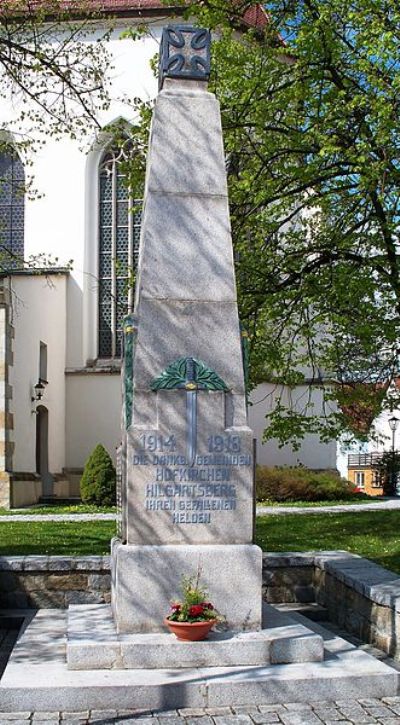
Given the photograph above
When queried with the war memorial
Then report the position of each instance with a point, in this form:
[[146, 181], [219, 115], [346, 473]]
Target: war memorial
[[185, 489]]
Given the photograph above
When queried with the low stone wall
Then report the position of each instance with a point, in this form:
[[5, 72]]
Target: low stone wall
[[288, 578], [53, 581], [360, 596]]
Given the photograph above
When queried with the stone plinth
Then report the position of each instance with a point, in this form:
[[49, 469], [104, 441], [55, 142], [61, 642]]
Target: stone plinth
[[146, 578], [37, 678], [93, 643]]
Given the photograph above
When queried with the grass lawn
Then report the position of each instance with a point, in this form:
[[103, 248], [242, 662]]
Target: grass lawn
[[59, 509], [53, 537], [373, 534]]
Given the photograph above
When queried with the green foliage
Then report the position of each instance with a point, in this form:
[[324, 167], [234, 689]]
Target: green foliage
[[98, 482], [301, 484], [58, 80], [194, 607], [311, 135], [389, 470]]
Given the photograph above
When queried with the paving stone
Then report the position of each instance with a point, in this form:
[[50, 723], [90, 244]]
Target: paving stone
[[203, 720], [369, 701], [149, 720], [15, 722], [246, 709], [390, 721], [318, 704], [265, 717], [394, 708], [218, 711], [133, 712], [142, 720], [379, 711], [328, 713], [357, 714], [346, 703], [102, 714], [15, 715], [304, 717], [79, 715], [192, 711], [232, 719], [55, 715], [167, 713], [271, 708], [297, 706], [392, 700]]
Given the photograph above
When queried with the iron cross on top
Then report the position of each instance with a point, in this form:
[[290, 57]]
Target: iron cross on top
[[184, 53]]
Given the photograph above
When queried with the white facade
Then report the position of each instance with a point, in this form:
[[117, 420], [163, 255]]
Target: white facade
[[82, 395]]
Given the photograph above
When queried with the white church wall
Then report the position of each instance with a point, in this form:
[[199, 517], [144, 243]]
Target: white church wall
[[62, 220], [94, 412], [93, 415], [312, 453], [38, 315]]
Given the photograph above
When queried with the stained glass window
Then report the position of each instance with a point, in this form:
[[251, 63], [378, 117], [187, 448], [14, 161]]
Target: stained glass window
[[12, 209], [119, 232]]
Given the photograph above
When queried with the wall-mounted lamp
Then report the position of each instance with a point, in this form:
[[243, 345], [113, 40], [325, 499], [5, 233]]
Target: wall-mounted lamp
[[39, 390]]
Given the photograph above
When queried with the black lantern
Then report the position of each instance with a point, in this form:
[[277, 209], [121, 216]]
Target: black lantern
[[39, 390]]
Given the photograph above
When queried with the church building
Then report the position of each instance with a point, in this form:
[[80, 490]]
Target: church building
[[61, 325]]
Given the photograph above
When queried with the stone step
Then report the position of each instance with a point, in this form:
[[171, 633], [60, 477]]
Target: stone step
[[311, 610], [37, 678], [93, 643]]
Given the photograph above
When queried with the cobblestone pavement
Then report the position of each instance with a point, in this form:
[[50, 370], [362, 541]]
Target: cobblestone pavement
[[389, 504], [385, 711]]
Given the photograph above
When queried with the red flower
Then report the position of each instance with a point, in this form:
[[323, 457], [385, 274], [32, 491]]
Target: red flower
[[207, 605], [176, 607], [196, 610]]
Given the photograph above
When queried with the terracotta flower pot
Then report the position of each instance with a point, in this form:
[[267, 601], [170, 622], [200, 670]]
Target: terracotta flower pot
[[190, 631]]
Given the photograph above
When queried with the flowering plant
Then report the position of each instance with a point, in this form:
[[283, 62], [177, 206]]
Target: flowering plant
[[194, 606]]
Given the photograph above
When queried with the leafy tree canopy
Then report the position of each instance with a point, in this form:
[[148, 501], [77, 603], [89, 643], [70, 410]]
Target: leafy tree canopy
[[55, 84], [310, 110], [54, 79]]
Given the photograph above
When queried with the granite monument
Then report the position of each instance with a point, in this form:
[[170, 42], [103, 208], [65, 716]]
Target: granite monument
[[186, 487]]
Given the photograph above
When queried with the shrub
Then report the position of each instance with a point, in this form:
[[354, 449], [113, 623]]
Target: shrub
[[98, 482], [301, 484]]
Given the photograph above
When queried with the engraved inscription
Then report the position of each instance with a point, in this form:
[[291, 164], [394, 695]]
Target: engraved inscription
[[191, 492]]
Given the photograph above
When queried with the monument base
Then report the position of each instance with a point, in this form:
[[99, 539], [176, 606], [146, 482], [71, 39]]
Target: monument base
[[37, 678], [145, 579], [94, 644]]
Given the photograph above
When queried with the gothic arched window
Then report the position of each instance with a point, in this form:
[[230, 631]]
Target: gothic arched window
[[119, 232], [12, 208]]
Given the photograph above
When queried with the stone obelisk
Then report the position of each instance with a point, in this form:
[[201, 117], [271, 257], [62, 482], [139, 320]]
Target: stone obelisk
[[187, 472]]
